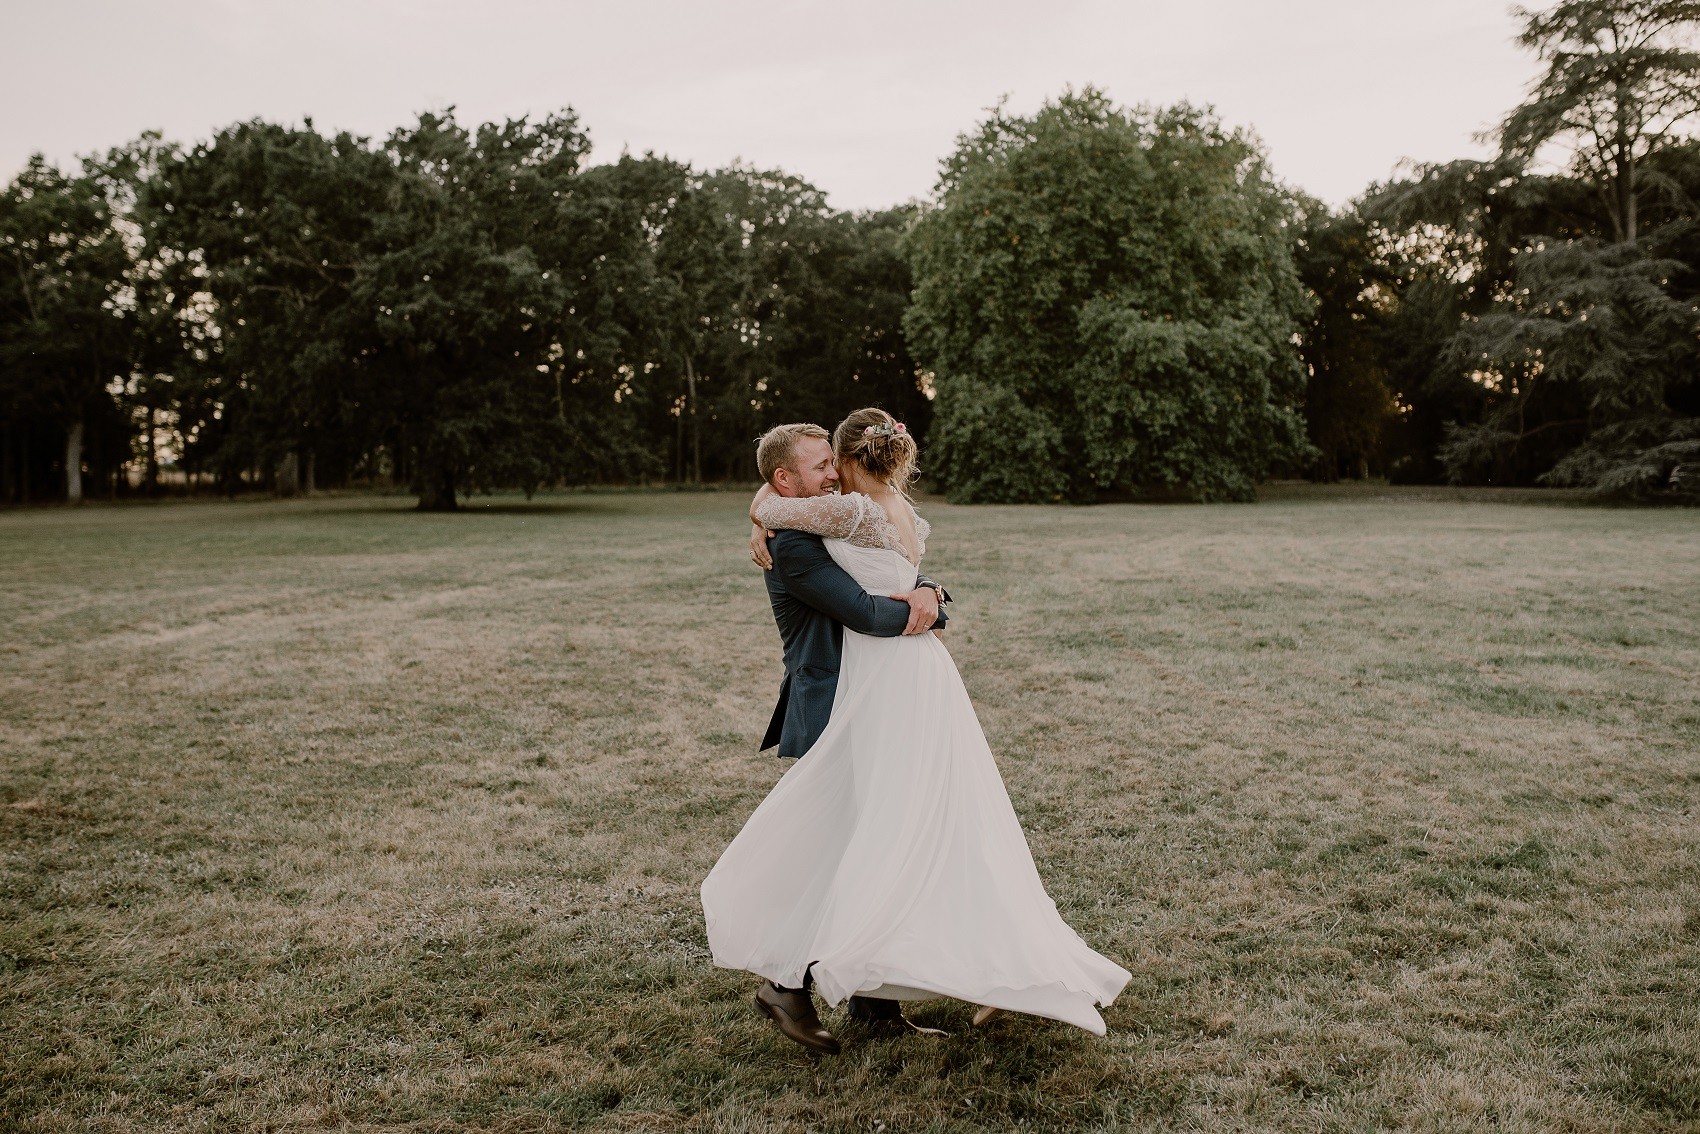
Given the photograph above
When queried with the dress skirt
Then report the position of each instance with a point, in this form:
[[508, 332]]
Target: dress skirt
[[888, 861]]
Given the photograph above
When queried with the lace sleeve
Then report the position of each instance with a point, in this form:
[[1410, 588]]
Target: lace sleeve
[[836, 517], [922, 531]]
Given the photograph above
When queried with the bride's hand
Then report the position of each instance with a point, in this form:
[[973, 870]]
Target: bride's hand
[[759, 554]]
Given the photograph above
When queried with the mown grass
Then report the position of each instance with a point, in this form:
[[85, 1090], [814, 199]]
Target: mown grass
[[332, 815]]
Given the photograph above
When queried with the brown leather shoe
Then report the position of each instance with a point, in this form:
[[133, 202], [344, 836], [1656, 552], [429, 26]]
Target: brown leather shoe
[[793, 1013]]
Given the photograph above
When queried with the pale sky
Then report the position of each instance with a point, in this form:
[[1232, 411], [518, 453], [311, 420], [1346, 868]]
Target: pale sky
[[860, 97]]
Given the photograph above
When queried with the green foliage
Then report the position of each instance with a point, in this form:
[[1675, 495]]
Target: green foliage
[[273, 224], [162, 343], [1108, 302], [831, 316], [774, 307], [1104, 301], [63, 332], [465, 295], [66, 267], [1593, 315], [1511, 348], [455, 308], [1649, 457], [1592, 330], [1577, 345], [1621, 77], [1350, 410]]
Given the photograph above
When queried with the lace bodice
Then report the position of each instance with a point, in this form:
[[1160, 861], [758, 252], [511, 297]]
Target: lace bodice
[[851, 517]]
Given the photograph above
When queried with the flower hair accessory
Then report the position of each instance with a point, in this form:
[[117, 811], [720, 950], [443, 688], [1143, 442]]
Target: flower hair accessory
[[884, 429]]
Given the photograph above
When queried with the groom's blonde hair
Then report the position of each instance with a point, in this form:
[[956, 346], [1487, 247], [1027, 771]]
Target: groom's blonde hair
[[778, 445]]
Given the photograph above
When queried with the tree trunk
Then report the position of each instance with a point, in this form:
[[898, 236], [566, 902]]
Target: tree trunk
[[696, 425], [1622, 199], [308, 483], [437, 490], [7, 468], [151, 478], [1631, 217], [1623, 163], [679, 448], [74, 462], [286, 480]]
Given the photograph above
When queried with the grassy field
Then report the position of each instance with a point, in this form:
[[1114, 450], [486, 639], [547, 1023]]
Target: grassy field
[[329, 815]]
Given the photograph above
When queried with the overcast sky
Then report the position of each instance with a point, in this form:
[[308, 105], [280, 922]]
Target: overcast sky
[[861, 97]]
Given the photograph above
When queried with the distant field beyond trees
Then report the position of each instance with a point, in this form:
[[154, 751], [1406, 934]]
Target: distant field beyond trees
[[328, 815]]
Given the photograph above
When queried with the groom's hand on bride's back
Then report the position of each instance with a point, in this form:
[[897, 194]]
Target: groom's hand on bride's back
[[923, 609]]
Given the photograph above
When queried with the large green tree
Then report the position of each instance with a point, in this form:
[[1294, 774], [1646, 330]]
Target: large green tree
[[62, 325], [1350, 409], [157, 292], [1444, 245], [752, 302], [268, 225], [1572, 320], [464, 306], [1593, 338], [704, 338], [837, 286], [1107, 301], [1621, 78], [812, 325]]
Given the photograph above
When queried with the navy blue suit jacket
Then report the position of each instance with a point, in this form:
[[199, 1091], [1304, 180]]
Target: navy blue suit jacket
[[813, 600]]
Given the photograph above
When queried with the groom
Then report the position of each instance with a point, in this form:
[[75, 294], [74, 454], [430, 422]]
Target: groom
[[813, 600]]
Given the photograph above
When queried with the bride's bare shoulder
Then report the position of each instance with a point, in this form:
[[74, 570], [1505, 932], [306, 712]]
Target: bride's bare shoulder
[[922, 528]]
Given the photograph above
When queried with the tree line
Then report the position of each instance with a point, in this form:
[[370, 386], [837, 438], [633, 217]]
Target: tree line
[[1096, 302], [453, 309], [1531, 318]]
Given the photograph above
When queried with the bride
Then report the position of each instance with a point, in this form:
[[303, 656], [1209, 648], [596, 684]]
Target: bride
[[888, 861]]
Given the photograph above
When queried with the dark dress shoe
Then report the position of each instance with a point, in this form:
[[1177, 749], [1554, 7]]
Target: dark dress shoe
[[873, 1010], [880, 1013], [793, 1013]]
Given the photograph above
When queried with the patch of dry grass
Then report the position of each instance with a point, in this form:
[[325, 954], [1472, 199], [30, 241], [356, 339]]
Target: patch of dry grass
[[331, 815]]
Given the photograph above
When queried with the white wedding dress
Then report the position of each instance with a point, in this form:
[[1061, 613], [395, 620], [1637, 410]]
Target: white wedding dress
[[888, 860]]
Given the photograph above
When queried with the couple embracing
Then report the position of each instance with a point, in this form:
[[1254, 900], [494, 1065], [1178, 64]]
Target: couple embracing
[[887, 863]]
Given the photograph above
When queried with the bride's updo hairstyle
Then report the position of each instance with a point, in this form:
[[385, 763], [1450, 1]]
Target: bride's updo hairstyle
[[879, 444]]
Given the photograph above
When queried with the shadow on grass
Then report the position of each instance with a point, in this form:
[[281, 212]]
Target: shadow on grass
[[405, 506], [535, 508], [1299, 490]]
